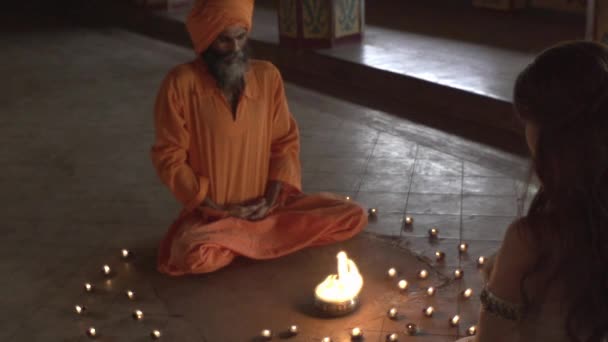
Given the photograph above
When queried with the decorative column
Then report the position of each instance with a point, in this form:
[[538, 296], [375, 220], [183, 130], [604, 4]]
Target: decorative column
[[597, 21], [320, 23]]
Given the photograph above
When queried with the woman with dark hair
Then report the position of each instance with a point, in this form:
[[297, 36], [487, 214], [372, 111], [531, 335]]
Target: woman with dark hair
[[550, 278]]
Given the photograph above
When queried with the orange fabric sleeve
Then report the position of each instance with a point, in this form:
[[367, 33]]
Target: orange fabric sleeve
[[285, 149], [170, 151]]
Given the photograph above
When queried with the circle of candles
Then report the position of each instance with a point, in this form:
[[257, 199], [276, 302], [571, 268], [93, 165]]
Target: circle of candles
[[326, 339], [463, 247], [458, 273], [439, 255], [481, 261], [392, 337], [392, 313], [155, 334], [91, 332], [125, 253], [138, 315], [392, 272], [467, 293], [423, 274], [356, 332], [429, 311], [106, 270], [412, 329], [266, 333], [402, 284], [293, 329], [472, 330], [409, 220], [430, 291], [373, 211], [130, 294], [433, 233], [88, 287], [80, 309], [455, 320]]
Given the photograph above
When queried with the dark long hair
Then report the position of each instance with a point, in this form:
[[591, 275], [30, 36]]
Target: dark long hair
[[564, 93]]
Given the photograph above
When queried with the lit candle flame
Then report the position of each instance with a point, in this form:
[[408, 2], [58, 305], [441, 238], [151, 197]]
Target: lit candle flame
[[92, 332], [347, 198], [341, 287], [458, 273], [463, 247], [472, 330], [455, 320], [392, 313], [106, 269], [138, 315], [392, 337], [402, 284], [392, 272], [293, 329], [481, 261], [125, 253], [266, 333], [433, 232], [80, 309], [409, 220], [430, 291], [326, 339], [423, 274], [356, 332], [428, 312], [412, 329], [130, 294], [467, 293], [88, 287], [439, 255], [155, 334]]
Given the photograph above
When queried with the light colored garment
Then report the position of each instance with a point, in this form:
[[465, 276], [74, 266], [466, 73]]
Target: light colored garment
[[202, 151]]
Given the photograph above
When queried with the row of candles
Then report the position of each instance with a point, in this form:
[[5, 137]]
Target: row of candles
[[357, 333], [137, 314]]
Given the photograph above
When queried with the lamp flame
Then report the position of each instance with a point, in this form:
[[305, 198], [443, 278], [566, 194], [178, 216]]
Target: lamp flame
[[341, 287]]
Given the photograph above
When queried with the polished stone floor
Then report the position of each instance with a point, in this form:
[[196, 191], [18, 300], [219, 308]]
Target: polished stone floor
[[76, 128]]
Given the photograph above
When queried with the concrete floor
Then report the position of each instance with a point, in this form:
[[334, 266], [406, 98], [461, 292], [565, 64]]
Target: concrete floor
[[78, 185]]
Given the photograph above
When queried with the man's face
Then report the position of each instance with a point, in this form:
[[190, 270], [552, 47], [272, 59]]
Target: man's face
[[227, 57]]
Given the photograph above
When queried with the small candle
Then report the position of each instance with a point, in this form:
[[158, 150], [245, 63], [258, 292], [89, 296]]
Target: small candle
[[130, 294], [373, 211], [423, 274], [356, 332], [402, 284], [458, 273], [392, 337], [467, 293], [412, 329], [326, 339], [347, 198], [155, 334], [481, 261], [392, 313], [409, 220], [472, 330], [91, 332], [106, 269], [455, 320], [439, 255], [428, 312], [138, 315], [80, 309], [392, 272], [125, 253], [293, 329], [433, 233], [430, 291], [463, 247], [267, 334]]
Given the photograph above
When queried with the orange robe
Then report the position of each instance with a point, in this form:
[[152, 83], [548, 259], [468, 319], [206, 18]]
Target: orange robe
[[201, 151]]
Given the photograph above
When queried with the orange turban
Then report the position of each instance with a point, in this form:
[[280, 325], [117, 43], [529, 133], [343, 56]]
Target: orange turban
[[209, 18]]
